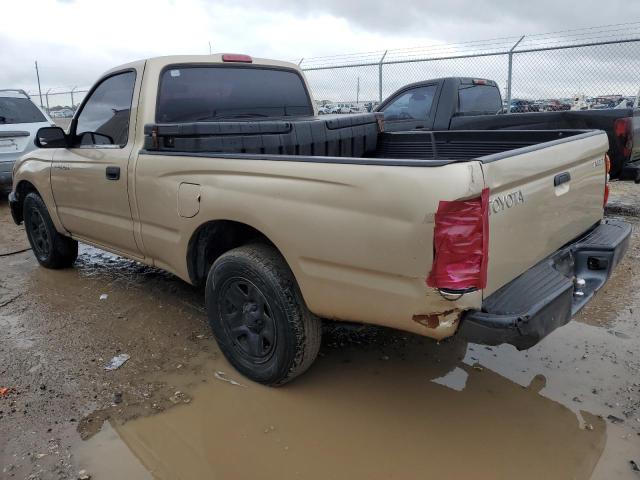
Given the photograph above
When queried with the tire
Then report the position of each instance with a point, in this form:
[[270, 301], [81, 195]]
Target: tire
[[52, 250], [258, 316]]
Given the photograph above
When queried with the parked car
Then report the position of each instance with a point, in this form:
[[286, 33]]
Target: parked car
[[325, 109], [20, 119], [286, 219], [555, 106], [344, 108], [476, 104], [521, 106]]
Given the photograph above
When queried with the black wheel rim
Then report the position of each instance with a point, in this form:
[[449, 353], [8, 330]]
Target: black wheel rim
[[40, 239], [248, 320]]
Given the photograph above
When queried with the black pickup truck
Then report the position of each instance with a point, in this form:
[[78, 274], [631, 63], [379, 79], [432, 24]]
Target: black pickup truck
[[456, 103]]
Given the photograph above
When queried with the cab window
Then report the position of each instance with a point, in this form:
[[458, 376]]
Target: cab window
[[104, 119], [414, 104]]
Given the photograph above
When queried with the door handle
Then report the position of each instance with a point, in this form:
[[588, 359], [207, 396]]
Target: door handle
[[113, 173], [561, 178]]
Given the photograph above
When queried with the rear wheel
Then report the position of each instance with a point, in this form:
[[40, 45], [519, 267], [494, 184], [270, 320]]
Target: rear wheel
[[258, 316], [52, 250]]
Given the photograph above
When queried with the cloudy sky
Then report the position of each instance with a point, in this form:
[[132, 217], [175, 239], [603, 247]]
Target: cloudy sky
[[75, 40]]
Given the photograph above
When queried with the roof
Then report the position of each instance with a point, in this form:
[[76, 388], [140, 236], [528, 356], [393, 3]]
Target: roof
[[215, 58], [13, 93]]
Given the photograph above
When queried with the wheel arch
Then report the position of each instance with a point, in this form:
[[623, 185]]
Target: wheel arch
[[23, 188], [216, 237]]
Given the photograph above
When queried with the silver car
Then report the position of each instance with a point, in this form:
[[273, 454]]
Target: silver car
[[20, 119]]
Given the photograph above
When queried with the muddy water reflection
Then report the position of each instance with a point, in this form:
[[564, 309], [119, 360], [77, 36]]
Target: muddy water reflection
[[370, 418]]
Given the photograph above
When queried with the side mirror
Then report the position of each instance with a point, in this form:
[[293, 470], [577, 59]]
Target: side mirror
[[51, 137]]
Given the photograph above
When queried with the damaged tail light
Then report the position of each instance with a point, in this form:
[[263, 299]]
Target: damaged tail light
[[461, 245]]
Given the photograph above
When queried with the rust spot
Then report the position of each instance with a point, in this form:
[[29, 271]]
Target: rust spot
[[433, 319]]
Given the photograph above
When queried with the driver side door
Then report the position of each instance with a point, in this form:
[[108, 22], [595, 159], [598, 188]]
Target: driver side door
[[90, 179]]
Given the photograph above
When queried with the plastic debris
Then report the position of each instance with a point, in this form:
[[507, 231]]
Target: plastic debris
[[179, 397], [104, 296], [5, 391], [223, 376], [83, 475], [117, 361], [614, 419]]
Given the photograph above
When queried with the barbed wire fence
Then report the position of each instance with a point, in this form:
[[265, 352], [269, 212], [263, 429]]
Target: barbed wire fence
[[594, 62]]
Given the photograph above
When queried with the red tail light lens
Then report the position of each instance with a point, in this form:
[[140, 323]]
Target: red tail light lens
[[461, 244], [606, 195], [623, 133], [236, 57]]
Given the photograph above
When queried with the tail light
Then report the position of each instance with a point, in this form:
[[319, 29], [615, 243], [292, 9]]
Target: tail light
[[461, 245], [607, 163], [623, 134]]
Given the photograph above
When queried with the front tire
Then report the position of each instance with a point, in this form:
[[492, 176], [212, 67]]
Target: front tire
[[258, 316], [52, 250]]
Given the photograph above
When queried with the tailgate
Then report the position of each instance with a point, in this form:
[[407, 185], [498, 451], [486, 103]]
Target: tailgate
[[13, 143], [541, 198]]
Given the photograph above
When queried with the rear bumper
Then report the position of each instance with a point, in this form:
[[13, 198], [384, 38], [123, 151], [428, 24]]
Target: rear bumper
[[6, 174], [631, 171], [546, 296]]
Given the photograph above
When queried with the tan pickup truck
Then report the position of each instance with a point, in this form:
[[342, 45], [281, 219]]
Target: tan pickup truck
[[216, 168]]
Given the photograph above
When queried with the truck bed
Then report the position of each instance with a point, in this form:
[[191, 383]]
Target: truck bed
[[345, 139]]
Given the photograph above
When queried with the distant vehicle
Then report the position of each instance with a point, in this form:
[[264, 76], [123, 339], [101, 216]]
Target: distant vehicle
[[522, 106], [456, 103], [344, 108], [20, 119], [555, 106], [324, 109]]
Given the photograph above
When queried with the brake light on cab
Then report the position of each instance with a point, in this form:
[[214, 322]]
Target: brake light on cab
[[237, 58], [461, 245]]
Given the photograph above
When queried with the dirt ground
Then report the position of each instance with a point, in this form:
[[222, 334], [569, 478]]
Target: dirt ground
[[377, 404]]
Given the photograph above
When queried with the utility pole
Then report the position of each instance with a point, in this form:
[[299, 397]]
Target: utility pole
[[209, 47], [39, 89], [72, 102], [358, 92]]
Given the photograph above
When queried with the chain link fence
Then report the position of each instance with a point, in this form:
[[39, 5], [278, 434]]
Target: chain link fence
[[59, 102], [597, 65], [594, 65]]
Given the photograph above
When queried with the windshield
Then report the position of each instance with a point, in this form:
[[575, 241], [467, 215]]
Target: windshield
[[19, 110], [192, 94]]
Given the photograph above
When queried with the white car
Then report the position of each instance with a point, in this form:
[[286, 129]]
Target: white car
[[20, 119]]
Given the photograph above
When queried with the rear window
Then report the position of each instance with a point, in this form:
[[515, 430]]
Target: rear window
[[195, 94], [19, 110], [479, 98]]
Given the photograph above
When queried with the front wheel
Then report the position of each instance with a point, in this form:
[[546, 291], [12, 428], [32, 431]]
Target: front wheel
[[52, 250], [258, 316]]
